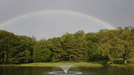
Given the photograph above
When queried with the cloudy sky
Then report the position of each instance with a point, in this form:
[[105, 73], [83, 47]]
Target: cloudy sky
[[52, 24]]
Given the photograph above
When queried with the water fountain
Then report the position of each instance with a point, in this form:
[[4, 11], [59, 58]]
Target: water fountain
[[66, 70], [65, 67]]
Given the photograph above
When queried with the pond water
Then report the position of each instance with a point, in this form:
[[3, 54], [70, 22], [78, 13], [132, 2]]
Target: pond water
[[40, 70]]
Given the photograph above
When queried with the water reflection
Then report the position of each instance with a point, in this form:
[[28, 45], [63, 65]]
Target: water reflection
[[84, 70]]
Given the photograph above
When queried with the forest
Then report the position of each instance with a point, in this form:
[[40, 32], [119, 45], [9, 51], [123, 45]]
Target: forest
[[103, 45]]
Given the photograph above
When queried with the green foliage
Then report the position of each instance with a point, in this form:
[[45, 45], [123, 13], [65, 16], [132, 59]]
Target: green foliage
[[56, 50], [41, 51], [118, 43], [92, 42], [26, 48], [103, 45], [8, 46]]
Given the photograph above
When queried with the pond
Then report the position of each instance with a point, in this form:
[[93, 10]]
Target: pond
[[40, 70]]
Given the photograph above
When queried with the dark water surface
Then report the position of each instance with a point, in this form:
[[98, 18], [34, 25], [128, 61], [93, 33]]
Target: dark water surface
[[40, 70]]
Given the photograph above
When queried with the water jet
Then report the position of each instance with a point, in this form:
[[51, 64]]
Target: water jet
[[66, 70]]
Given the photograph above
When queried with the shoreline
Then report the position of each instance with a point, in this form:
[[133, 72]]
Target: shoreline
[[76, 66], [80, 64]]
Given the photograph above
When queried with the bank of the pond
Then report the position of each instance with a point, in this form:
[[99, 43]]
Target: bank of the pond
[[80, 64], [122, 65]]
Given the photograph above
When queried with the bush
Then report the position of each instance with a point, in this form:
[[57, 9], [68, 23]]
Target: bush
[[120, 61], [132, 61]]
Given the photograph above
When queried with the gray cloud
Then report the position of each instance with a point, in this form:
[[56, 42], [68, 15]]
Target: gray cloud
[[115, 12]]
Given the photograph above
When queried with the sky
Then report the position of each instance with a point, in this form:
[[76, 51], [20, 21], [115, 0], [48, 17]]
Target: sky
[[55, 24]]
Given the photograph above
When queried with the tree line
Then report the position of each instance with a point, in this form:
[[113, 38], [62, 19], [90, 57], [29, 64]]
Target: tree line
[[105, 44]]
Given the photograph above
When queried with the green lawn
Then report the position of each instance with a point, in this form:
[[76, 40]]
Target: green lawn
[[122, 65], [80, 64]]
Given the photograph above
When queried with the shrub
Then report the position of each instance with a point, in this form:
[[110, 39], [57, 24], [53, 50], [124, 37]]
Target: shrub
[[120, 61]]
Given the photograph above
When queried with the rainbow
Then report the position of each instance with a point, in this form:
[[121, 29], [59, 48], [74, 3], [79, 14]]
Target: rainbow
[[59, 11]]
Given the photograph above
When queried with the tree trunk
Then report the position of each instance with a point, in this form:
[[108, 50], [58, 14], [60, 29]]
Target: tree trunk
[[54, 59], [10, 60], [113, 61], [5, 58], [125, 61], [70, 59]]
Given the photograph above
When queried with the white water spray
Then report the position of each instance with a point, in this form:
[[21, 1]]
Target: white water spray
[[65, 67]]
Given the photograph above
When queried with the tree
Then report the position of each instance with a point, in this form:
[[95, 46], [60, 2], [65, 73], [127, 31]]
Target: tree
[[57, 50], [41, 52], [79, 44], [103, 30], [70, 50], [108, 44], [8, 46], [92, 42], [117, 43], [127, 50], [70, 47], [26, 47]]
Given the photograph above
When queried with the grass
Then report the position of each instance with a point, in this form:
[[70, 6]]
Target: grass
[[80, 64], [122, 64], [129, 64], [39, 64]]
